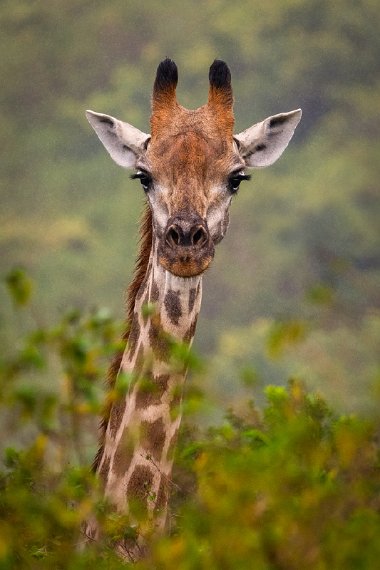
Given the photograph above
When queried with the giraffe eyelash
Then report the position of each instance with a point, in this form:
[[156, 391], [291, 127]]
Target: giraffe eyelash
[[240, 176], [140, 174]]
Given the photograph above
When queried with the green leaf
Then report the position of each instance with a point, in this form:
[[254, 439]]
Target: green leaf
[[20, 286]]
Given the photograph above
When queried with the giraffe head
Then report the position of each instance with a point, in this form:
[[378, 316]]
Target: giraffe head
[[191, 165]]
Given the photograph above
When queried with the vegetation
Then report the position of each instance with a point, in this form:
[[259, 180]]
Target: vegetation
[[289, 481], [279, 487]]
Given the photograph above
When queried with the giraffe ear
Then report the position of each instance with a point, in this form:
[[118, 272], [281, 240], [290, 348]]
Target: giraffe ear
[[262, 144], [123, 141]]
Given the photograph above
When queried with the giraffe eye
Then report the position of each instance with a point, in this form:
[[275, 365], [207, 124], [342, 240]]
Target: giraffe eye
[[145, 179], [235, 179], [145, 182], [234, 184]]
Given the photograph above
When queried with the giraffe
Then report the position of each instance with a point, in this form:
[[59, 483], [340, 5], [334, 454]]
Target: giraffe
[[190, 167]]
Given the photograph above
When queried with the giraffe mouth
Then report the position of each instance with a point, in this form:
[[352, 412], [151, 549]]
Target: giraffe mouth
[[183, 262]]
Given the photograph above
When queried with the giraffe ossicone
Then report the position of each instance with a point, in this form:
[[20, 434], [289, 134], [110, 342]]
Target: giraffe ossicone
[[189, 167]]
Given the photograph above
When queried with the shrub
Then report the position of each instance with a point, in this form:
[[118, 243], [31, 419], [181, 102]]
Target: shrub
[[293, 485]]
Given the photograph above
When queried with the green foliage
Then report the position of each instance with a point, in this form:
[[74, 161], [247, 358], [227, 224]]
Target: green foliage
[[296, 488], [46, 486], [282, 493], [75, 353], [19, 286], [284, 486]]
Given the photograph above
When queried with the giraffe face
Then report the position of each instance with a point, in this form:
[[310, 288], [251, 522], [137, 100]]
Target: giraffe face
[[191, 165], [190, 174]]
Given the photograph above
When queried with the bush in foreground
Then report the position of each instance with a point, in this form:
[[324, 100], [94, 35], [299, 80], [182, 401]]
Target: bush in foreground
[[293, 488], [287, 487]]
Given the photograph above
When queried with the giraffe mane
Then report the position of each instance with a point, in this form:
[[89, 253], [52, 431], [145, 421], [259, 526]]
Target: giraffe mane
[[146, 235]]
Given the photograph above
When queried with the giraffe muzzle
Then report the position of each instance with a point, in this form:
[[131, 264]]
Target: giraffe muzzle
[[186, 247]]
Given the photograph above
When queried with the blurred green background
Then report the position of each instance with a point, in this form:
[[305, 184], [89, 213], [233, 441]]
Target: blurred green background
[[293, 291]]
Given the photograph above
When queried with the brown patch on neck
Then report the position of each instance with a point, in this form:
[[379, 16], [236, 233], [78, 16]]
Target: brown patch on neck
[[138, 491], [189, 335], [146, 238], [151, 390], [153, 438]]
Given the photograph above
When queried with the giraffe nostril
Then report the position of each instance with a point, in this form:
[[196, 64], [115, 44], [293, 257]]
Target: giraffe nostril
[[199, 236], [173, 237]]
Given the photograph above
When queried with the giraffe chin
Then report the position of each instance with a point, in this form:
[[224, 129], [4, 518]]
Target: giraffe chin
[[189, 267]]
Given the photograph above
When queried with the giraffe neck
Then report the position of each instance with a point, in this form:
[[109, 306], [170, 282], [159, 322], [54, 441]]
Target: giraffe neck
[[136, 462]]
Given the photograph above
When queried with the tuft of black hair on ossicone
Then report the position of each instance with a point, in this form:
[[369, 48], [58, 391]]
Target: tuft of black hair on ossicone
[[219, 74], [167, 75]]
